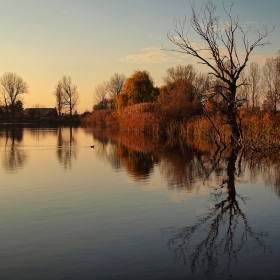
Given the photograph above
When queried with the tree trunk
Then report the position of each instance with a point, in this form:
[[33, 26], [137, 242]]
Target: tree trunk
[[13, 110], [232, 113]]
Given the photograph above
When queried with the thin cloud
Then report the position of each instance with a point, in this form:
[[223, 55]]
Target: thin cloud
[[154, 37], [151, 55]]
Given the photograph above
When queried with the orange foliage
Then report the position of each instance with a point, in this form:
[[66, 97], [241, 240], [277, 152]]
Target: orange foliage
[[138, 88], [208, 106], [177, 104], [261, 126], [139, 117], [102, 118], [266, 118]]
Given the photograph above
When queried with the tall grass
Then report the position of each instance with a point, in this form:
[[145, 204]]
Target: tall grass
[[151, 119], [106, 118], [140, 117]]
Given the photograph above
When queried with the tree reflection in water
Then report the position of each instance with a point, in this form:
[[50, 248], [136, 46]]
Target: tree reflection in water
[[14, 157], [217, 237], [134, 152], [66, 147], [137, 163]]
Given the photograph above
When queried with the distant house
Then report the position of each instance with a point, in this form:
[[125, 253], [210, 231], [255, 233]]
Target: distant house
[[40, 112]]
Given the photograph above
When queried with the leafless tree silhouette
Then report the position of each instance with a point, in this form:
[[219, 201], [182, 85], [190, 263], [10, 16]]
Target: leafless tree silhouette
[[222, 54]]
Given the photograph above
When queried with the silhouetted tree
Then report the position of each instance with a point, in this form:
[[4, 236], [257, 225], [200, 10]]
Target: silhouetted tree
[[254, 78], [116, 83], [12, 86], [59, 98], [68, 93], [100, 97], [271, 83], [222, 58]]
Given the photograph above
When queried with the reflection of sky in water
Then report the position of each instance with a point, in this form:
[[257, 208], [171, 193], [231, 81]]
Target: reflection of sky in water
[[93, 220]]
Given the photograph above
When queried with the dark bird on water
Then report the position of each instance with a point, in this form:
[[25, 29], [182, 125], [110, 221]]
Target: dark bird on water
[[92, 146]]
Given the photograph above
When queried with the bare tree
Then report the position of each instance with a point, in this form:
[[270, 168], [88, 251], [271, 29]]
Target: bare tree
[[12, 86], [68, 93], [243, 92], [188, 74], [100, 100], [271, 83], [251, 91], [116, 83], [225, 63], [254, 77], [185, 73], [59, 98]]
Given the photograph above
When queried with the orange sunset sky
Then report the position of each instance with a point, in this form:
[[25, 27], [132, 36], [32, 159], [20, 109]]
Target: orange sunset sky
[[90, 40]]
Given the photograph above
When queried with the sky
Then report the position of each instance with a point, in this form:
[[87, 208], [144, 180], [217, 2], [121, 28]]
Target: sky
[[91, 40]]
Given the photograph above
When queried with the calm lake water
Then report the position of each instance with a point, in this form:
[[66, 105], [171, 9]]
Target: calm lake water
[[133, 208]]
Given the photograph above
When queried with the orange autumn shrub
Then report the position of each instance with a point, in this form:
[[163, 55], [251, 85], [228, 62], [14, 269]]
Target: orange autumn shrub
[[139, 117], [106, 118], [261, 125]]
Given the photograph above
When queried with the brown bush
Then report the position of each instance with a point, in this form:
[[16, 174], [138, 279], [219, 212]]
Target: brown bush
[[139, 117], [102, 119]]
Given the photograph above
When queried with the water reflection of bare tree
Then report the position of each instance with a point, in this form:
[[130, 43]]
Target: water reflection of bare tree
[[181, 166], [66, 147], [14, 156], [217, 237], [40, 133]]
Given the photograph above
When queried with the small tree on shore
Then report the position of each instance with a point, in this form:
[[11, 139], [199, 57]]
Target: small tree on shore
[[223, 57], [138, 88], [12, 87], [59, 98], [100, 97], [115, 84], [67, 94], [271, 83]]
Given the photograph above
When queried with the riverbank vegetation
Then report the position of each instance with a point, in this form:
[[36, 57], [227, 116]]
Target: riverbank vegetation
[[182, 108], [221, 104]]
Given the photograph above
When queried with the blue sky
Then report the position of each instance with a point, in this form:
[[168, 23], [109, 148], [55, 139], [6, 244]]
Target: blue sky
[[90, 40]]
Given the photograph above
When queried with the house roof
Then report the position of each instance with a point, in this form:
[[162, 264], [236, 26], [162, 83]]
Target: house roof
[[40, 109]]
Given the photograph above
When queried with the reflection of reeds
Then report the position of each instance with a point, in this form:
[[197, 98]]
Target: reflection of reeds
[[135, 141], [181, 162]]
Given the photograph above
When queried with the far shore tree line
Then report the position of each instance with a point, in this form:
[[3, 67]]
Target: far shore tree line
[[11, 103]]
